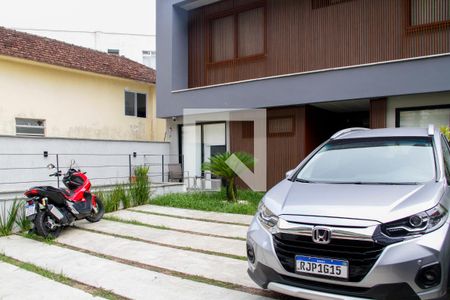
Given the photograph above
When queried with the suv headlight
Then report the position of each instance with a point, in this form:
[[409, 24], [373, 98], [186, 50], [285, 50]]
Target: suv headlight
[[266, 217], [417, 224]]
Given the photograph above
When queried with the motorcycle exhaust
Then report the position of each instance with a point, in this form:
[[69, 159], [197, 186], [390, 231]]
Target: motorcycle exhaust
[[55, 212]]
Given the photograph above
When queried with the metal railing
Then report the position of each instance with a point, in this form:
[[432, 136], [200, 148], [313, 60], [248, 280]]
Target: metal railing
[[21, 171]]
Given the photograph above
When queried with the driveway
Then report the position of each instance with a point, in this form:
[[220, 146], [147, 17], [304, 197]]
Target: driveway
[[148, 252]]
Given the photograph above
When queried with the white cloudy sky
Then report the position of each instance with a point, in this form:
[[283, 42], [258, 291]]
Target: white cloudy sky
[[129, 16]]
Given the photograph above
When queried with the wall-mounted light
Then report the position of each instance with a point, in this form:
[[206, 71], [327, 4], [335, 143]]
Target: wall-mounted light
[[134, 154], [45, 153]]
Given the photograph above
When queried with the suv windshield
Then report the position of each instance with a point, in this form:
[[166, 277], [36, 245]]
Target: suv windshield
[[399, 160]]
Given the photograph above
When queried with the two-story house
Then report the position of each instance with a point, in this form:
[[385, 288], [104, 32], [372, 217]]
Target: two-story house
[[52, 89], [317, 66]]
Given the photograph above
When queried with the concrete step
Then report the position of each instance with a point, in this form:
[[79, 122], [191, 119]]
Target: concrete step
[[122, 279], [223, 230], [193, 263], [197, 214], [169, 237], [17, 283]]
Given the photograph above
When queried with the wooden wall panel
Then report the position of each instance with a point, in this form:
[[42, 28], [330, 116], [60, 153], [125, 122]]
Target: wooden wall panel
[[283, 152], [300, 38], [378, 111], [241, 139]]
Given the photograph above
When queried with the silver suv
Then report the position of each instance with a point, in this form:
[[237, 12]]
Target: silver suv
[[365, 216]]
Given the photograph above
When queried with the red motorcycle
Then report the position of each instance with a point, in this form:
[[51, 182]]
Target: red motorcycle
[[51, 209]]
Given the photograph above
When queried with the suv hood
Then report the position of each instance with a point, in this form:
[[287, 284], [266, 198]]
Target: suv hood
[[382, 203]]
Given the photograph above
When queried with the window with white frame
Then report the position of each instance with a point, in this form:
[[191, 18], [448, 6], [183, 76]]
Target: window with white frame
[[30, 127], [135, 104], [422, 116], [149, 58]]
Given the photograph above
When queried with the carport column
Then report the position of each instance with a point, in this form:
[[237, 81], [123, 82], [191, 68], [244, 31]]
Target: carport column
[[378, 110]]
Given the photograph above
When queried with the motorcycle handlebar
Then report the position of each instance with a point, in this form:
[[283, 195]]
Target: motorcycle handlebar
[[56, 174], [59, 173]]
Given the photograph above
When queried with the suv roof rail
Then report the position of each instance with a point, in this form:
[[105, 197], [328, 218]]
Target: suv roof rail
[[344, 131], [431, 129]]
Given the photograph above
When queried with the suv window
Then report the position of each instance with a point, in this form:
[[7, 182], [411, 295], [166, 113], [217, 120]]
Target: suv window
[[390, 160], [446, 154]]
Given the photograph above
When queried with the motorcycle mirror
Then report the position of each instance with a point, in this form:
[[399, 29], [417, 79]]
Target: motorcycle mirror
[[72, 163], [50, 166]]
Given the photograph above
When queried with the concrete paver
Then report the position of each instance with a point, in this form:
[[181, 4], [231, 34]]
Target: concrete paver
[[197, 214], [224, 230], [193, 263], [169, 237], [120, 278], [17, 283]]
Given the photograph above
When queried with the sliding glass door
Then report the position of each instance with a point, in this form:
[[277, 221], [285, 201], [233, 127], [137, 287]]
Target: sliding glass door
[[199, 143]]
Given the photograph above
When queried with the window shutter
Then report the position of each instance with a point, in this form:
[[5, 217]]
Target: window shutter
[[222, 35], [251, 32]]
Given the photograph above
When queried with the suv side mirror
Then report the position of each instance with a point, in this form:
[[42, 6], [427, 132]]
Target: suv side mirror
[[289, 173]]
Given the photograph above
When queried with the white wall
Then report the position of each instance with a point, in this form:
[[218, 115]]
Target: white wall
[[172, 134], [101, 159], [74, 104], [414, 101]]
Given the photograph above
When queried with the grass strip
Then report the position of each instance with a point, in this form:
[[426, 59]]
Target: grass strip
[[137, 223], [212, 201], [95, 291], [196, 278], [185, 218], [164, 245], [178, 274]]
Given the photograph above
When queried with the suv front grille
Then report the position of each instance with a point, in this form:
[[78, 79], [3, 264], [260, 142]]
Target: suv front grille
[[361, 255]]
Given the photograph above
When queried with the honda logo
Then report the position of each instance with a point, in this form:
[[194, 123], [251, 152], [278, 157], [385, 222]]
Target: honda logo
[[321, 235]]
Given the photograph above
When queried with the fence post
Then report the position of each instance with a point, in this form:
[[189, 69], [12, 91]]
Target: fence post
[[57, 169], [162, 167], [182, 167], [129, 167]]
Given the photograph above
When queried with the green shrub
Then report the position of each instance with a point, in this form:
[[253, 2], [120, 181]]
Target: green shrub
[[108, 201], [126, 200], [117, 196], [446, 131], [140, 188], [8, 219], [22, 221]]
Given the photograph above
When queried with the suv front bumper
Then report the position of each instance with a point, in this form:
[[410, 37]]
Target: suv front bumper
[[393, 276]]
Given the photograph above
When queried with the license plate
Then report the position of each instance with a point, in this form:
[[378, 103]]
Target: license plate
[[321, 266], [30, 210]]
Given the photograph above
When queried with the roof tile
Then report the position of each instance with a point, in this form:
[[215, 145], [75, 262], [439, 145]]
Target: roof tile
[[44, 50]]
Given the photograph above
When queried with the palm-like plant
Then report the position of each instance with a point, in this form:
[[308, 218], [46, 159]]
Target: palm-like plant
[[446, 131], [218, 166]]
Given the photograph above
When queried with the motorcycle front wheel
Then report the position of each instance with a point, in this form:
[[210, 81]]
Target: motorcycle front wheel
[[95, 217], [46, 225]]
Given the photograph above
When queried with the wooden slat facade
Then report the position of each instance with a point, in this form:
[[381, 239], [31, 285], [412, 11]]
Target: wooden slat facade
[[378, 111], [299, 38], [312, 126], [284, 152]]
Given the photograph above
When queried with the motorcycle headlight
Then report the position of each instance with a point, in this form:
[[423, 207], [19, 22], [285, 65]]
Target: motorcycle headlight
[[417, 224], [266, 217]]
